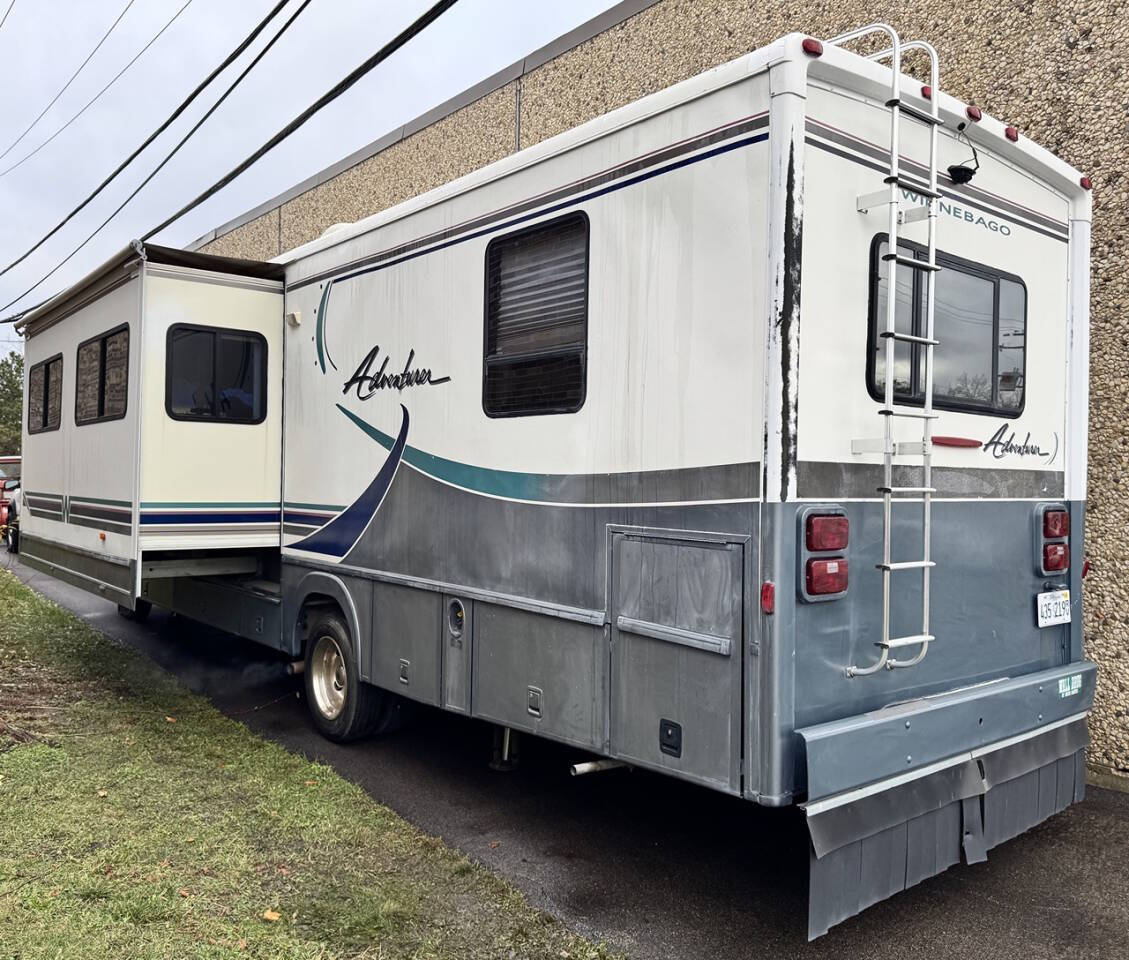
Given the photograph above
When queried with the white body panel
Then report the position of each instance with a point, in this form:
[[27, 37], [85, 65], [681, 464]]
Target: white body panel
[[189, 467]]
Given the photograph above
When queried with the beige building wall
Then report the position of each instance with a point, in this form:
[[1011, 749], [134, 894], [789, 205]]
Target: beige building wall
[[1057, 70]]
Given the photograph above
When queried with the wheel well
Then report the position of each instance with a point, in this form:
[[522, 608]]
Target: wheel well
[[312, 605]]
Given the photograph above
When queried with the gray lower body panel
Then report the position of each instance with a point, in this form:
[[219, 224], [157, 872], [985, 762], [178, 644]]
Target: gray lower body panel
[[103, 576], [873, 847]]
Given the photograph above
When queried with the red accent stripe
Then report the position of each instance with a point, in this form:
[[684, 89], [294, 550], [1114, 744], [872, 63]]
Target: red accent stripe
[[955, 442]]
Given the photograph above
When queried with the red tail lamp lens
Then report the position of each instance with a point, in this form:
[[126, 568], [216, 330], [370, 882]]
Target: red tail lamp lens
[[826, 576], [1086, 183], [827, 532], [1054, 557], [927, 92], [974, 113], [812, 47], [768, 597], [1056, 524], [1012, 133]]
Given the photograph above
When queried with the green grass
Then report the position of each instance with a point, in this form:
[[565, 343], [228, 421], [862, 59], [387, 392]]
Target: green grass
[[137, 821]]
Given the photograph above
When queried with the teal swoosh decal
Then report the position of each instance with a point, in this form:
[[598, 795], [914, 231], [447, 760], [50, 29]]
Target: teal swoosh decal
[[499, 483], [320, 332]]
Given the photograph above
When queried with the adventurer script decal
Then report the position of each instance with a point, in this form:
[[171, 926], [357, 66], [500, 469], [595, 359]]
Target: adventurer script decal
[[1004, 444], [368, 382]]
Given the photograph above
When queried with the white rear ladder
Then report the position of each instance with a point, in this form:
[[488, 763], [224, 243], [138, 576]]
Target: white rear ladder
[[896, 182]]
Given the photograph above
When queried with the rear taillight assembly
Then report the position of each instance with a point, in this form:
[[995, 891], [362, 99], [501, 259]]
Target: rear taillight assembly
[[1052, 539], [823, 535], [1056, 524], [824, 577], [827, 532], [1055, 557]]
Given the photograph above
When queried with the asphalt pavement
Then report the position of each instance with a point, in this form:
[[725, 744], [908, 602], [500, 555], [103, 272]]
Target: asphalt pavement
[[655, 867]]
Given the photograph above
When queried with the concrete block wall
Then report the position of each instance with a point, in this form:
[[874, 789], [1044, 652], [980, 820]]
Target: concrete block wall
[[1056, 69]]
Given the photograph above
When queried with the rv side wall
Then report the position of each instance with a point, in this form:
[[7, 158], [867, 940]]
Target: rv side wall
[[78, 522], [599, 538]]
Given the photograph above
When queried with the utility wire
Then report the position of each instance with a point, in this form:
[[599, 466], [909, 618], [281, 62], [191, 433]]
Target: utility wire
[[54, 100], [172, 153], [420, 24], [247, 41], [342, 86], [4, 18], [90, 103]]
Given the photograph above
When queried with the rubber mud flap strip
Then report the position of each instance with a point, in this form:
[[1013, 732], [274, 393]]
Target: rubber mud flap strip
[[972, 822]]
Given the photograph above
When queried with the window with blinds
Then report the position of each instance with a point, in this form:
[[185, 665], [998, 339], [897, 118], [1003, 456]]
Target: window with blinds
[[101, 377], [45, 395], [537, 320]]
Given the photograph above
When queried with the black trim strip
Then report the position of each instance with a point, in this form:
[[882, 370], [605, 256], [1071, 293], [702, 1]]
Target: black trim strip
[[499, 219], [813, 141], [110, 526], [113, 514]]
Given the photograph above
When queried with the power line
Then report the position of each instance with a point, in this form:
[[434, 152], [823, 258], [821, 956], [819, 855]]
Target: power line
[[342, 86], [97, 47], [420, 24], [4, 18], [246, 42], [96, 96], [172, 153]]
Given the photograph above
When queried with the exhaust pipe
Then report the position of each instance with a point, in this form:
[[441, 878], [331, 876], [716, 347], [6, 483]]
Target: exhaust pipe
[[594, 766], [296, 667]]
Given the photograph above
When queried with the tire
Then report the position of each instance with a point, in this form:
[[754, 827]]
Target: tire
[[139, 613], [342, 707]]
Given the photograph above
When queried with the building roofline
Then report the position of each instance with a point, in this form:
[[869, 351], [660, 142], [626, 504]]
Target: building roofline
[[611, 17]]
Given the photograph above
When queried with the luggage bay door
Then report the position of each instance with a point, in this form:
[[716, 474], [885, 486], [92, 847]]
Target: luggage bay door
[[676, 654]]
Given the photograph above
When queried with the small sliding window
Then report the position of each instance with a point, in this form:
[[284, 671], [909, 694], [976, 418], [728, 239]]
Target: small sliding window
[[537, 320], [215, 374], [102, 377], [45, 395]]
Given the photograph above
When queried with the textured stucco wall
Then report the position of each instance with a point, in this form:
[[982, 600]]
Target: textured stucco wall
[[1058, 70]]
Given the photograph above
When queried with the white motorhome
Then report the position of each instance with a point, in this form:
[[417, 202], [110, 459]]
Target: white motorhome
[[621, 441]]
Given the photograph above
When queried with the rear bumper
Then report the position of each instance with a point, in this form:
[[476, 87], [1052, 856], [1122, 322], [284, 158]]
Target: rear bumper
[[956, 775]]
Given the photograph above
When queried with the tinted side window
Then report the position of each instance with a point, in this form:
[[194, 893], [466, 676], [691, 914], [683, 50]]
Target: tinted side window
[[45, 395], [537, 320], [980, 320], [215, 374], [101, 372]]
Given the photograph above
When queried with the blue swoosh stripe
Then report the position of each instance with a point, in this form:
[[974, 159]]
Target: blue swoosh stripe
[[341, 534]]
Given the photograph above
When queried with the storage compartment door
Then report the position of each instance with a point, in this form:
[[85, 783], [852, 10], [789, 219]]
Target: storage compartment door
[[676, 656]]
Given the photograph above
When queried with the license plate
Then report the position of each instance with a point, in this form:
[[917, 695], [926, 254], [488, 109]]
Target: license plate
[[1053, 607]]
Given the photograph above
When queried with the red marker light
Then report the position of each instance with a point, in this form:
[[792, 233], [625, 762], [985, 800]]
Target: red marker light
[[812, 47], [1087, 183], [926, 91], [1012, 133], [768, 597], [974, 113]]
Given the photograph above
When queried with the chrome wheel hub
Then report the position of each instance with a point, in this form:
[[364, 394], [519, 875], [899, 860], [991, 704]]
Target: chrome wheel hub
[[330, 678]]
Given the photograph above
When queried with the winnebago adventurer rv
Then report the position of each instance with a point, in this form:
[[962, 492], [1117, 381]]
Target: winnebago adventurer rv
[[739, 435]]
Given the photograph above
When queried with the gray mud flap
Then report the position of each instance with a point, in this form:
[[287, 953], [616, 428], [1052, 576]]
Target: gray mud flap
[[869, 843]]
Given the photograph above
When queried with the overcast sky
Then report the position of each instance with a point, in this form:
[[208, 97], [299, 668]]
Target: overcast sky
[[44, 41]]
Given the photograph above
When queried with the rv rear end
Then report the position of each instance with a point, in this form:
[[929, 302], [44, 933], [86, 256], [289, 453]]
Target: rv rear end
[[932, 628]]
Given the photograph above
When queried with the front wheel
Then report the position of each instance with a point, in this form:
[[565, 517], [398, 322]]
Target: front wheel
[[343, 708]]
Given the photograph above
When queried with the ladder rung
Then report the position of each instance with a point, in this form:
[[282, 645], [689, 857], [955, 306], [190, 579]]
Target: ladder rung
[[906, 565], [912, 414], [893, 490], [911, 641], [909, 338], [915, 186], [911, 262], [913, 214], [914, 112]]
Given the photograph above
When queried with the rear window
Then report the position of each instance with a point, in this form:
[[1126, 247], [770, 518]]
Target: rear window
[[215, 374], [980, 321]]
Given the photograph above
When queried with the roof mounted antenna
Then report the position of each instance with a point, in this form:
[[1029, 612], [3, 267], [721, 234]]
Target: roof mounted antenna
[[962, 172]]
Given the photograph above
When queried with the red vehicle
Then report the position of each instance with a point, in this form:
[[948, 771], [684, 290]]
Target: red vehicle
[[9, 487]]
